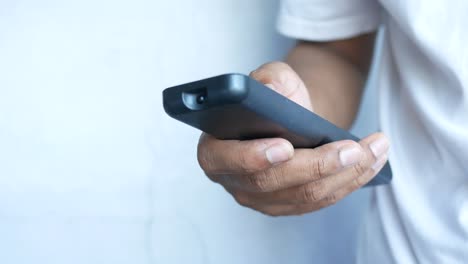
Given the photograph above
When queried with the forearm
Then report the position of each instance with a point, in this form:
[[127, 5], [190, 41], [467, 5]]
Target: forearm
[[335, 74]]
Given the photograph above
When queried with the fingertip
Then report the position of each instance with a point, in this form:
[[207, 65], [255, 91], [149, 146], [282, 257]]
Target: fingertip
[[378, 165], [271, 72], [270, 85], [351, 154], [387, 139], [290, 147], [279, 152], [257, 74], [379, 146]]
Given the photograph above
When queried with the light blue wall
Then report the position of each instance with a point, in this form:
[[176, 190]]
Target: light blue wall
[[91, 168]]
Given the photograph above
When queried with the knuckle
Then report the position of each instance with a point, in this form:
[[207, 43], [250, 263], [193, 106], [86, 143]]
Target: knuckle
[[312, 192], [358, 182], [275, 176], [332, 165], [317, 169], [245, 163], [256, 181], [331, 199], [364, 178], [262, 182], [360, 168], [251, 163]]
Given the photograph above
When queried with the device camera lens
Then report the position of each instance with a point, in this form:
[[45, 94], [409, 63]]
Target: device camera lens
[[201, 99]]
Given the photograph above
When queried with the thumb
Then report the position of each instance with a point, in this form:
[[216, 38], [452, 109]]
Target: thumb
[[281, 78]]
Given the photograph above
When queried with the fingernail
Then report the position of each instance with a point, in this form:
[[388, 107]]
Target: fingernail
[[380, 163], [379, 147], [269, 85], [350, 155], [279, 153]]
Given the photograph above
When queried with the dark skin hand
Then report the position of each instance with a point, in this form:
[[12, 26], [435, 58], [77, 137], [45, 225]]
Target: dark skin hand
[[272, 177]]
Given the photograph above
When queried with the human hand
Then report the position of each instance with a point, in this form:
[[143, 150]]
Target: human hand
[[272, 177]]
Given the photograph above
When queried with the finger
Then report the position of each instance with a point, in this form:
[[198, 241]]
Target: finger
[[307, 165], [375, 149], [308, 193], [300, 209], [340, 194], [377, 143], [360, 181], [322, 187], [235, 157], [280, 77]]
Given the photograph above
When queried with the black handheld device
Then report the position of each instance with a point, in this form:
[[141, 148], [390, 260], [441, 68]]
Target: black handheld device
[[235, 106]]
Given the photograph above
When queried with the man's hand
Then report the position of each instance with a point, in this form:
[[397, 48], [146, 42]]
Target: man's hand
[[270, 176]]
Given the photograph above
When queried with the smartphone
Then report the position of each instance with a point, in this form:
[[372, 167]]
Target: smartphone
[[235, 106]]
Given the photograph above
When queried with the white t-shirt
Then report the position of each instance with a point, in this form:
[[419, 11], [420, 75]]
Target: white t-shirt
[[422, 217]]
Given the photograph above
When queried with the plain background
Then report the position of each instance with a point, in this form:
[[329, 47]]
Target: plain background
[[93, 171]]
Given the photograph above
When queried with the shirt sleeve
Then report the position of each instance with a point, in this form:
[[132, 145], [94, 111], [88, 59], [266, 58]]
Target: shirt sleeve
[[326, 20]]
